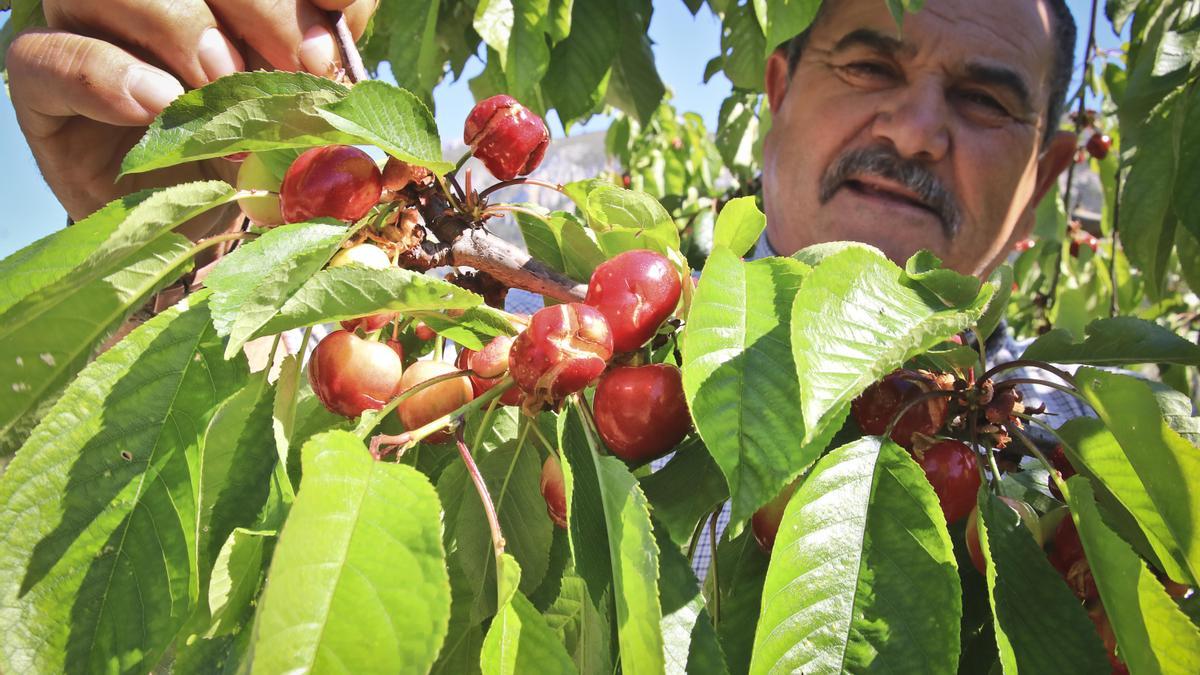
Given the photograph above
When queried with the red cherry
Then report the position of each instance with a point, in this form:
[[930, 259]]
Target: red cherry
[[1024, 245], [951, 469], [506, 136], [433, 401], [1028, 516], [554, 491], [636, 291], [350, 375], [236, 157], [1104, 629], [641, 412], [875, 408], [564, 349], [765, 521], [335, 181], [1080, 239], [1098, 145], [1068, 558], [423, 332], [493, 360], [1058, 459], [370, 323]]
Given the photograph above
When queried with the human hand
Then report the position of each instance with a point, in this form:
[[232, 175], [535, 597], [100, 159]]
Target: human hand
[[86, 88]]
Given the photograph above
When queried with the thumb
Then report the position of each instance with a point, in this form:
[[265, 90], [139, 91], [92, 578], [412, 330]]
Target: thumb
[[55, 75]]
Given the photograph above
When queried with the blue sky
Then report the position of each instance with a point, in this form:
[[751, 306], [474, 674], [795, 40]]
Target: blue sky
[[683, 45]]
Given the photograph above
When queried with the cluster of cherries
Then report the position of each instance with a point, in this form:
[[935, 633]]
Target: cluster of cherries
[[1098, 143]]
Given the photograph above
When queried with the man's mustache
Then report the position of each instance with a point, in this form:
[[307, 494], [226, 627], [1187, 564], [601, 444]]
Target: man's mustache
[[885, 163]]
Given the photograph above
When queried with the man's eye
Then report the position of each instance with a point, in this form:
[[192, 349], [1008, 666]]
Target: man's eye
[[868, 69], [977, 98]]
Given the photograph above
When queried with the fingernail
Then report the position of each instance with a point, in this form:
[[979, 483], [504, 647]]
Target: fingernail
[[153, 89], [217, 55], [318, 52]]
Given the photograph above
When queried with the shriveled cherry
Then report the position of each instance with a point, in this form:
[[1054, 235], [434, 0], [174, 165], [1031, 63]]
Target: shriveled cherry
[[876, 407], [564, 349], [765, 521], [350, 375], [636, 291], [1068, 558], [554, 490], [641, 412], [953, 472], [254, 174], [433, 401], [398, 174], [1029, 519], [335, 181], [1058, 459], [507, 137]]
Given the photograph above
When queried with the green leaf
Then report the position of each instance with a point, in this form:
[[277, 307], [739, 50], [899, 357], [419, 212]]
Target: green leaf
[[340, 293], [1157, 458], [49, 336], [949, 286], [99, 513], [738, 129], [472, 328], [1147, 225], [609, 207], [858, 318], [742, 567], [739, 225], [236, 578], [1118, 341], [359, 562], [543, 238], [583, 629], [391, 118], [576, 80], [252, 284], [684, 491], [738, 375], [783, 20], [862, 573], [212, 120], [512, 473], [744, 47], [605, 498], [634, 85], [689, 641], [997, 309], [1154, 636], [519, 639], [1040, 625]]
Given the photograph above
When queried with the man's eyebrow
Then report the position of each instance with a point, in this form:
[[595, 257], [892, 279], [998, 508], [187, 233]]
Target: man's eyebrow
[[871, 39], [1001, 76]]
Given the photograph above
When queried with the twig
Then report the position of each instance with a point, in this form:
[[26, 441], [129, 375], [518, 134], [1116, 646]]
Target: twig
[[351, 59], [1114, 307], [1029, 363], [489, 510], [712, 544], [521, 181]]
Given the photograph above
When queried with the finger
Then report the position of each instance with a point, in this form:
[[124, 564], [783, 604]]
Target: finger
[[290, 34], [183, 35], [55, 75]]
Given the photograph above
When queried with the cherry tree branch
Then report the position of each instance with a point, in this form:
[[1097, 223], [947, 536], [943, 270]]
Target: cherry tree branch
[[351, 59]]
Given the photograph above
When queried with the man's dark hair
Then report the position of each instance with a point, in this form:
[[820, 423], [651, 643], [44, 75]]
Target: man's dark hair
[[1060, 73]]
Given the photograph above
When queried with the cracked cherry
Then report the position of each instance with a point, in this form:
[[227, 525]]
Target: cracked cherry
[[1066, 556], [433, 401], [254, 174], [350, 374], [335, 181], [507, 137], [636, 291], [875, 408], [641, 412], [765, 521], [554, 491], [564, 349], [951, 469], [1029, 518]]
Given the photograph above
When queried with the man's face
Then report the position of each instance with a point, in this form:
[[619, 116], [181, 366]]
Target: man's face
[[929, 140]]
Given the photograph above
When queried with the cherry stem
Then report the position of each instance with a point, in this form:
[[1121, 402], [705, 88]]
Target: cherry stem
[[542, 437], [449, 195], [1044, 383], [1028, 363], [694, 541], [1054, 476], [391, 405], [462, 196], [463, 160], [586, 410], [557, 187], [495, 209], [351, 59], [408, 439], [489, 510], [484, 424]]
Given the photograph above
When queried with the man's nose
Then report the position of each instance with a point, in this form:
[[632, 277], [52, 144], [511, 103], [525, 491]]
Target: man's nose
[[914, 119]]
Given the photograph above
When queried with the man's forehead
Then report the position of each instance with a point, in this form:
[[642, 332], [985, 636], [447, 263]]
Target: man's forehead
[[1013, 33]]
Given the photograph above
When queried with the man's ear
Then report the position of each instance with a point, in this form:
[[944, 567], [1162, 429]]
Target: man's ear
[[777, 77], [1055, 159]]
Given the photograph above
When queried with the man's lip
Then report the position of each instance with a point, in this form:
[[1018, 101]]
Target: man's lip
[[887, 188]]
